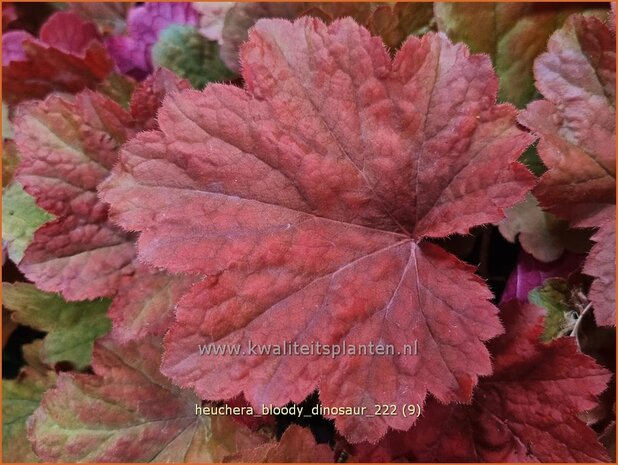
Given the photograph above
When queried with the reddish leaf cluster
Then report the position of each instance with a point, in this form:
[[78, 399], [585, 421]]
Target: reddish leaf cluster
[[67, 147], [68, 56]]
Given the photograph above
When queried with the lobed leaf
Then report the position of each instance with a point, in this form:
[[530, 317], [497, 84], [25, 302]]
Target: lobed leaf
[[72, 327], [305, 198], [513, 34], [68, 146], [128, 412], [577, 129], [576, 121], [67, 57], [601, 264], [527, 411], [540, 233]]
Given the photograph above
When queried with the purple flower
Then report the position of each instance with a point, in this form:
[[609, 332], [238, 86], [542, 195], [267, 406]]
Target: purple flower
[[530, 273], [132, 52]]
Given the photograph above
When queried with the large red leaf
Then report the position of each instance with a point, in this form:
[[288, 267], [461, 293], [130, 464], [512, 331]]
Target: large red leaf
[[306, 197], [67, 147], [68, 56], [525, 412], [128, 412], [577, 129]]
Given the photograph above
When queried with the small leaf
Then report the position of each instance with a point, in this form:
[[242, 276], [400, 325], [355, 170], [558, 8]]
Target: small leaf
[[530, 273], [20, 219], [541, 234], [554, 297], [72, 327], [67, 57], [132, 51], [20, 398], [183, 50]]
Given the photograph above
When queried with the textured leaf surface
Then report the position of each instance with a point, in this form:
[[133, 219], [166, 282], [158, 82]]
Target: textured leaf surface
[[392, 22], [20, 219], [526, 411], [513, 34], [145, 306], [305, 197], [68, 147], [128, 412], [540, 233], [297, 445], [20, 398], [576, 121], [576, 125], [68, 56], [72, 327]]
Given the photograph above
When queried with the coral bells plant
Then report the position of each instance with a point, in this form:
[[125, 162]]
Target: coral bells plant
[[309, 232]]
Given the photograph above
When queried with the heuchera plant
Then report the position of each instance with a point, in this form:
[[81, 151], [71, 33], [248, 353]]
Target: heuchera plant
[[179, 176]]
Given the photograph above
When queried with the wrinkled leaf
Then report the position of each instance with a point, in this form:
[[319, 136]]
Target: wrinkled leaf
[[576, 121], [20, 398], [72, 327], [393, 22], [128, 412], [68, 146], [67, 57], [576, 125], [526, 411], [513, 34], [306, 197]]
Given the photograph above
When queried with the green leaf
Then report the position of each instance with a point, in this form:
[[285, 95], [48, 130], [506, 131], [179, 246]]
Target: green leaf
[[72, 327], [554, 297], [21, 217], [513, 34], [20, 398], [186, 52]]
